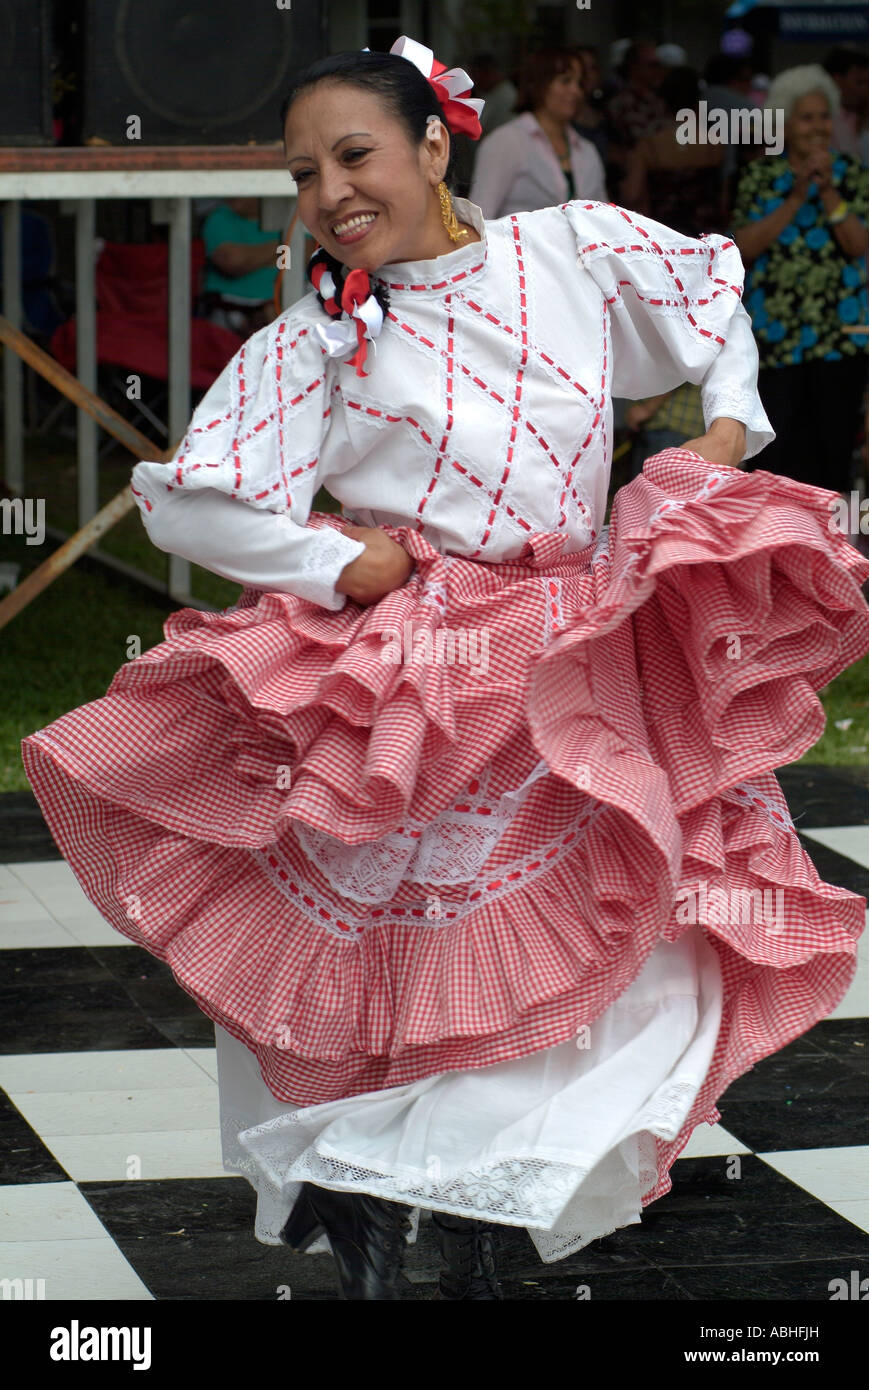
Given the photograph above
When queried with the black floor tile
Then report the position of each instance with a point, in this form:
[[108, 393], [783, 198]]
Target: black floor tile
[[148, 982], [186, 1030], [85, 1017], [846, 1039], [789, 1081], [23, 1156], [24, 836], [760, 1235], [806, 1121], [724, 1182], [795, 1280], [81, 998], [837, 868], [822, 796]]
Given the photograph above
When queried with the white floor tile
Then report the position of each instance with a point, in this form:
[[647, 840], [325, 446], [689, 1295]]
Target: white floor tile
[[708, 1141], [47, 1211], [56, 887], [51, 873], [856, 1212], [79, 1270], [136, 1070], [31, 935], [95, 931], [850, 840], [78, 1113], [833, 1175], [193, 1153], [41, 904], [18, 905], [204, 1057]]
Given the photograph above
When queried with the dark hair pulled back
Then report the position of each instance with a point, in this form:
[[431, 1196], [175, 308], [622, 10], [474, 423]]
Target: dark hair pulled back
[[405, 93]]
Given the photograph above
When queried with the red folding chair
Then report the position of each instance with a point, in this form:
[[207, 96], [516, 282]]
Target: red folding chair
[[132, 290]]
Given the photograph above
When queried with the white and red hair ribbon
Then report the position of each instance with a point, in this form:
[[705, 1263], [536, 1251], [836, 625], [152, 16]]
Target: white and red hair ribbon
[[452, 86]]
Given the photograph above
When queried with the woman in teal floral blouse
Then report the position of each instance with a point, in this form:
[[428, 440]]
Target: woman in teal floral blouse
[[799, 221]]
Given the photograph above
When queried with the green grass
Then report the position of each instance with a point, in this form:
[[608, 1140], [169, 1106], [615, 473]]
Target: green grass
[[64, 648]]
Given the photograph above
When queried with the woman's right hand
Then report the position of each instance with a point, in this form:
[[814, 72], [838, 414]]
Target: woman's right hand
[[384, 565], [807, 169]]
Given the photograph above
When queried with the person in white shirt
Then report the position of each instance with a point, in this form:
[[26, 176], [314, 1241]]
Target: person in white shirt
[[849, 69], [538, 159], [434, 899]]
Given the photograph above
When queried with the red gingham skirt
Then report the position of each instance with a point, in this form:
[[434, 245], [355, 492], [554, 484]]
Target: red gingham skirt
[[372, 870]]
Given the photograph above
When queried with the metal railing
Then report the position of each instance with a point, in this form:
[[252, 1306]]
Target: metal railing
[[169, 177]]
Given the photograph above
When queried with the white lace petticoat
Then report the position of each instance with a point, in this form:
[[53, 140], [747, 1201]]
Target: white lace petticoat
[[560, 1141]]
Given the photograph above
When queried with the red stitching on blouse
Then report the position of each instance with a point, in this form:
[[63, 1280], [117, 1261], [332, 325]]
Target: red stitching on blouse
[[432, 484], [517, 386], [441, 284], [136, 493]]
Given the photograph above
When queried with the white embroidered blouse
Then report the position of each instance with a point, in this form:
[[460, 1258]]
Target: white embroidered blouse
[[486, 416]]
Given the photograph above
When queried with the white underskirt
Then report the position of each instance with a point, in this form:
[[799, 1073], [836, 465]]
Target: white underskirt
[[560, 1141]]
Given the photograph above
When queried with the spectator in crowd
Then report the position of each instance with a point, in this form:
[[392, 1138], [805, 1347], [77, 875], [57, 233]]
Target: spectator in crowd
[[800, 224], [667, 421], [849, 69], [728, 82], [728, 88], [679, 184], [614, 81], [589, 119], [672, 55], [863, 132], [637, 108], [500, 96], [496, 89], [538, 160], [241, 267]]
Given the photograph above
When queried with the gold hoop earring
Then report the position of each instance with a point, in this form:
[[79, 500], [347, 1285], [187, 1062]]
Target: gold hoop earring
[[448, 215]]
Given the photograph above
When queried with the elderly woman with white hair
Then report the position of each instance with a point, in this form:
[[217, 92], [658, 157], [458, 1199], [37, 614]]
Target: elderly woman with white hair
[[799, 221]]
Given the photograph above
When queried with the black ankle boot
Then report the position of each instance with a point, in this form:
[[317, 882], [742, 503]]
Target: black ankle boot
[[468, 1258], [367, 1235]]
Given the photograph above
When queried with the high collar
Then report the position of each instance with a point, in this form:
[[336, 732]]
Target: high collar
[[442, 273]]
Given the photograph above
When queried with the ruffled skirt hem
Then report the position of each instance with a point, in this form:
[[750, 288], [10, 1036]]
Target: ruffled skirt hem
[[563, 1143]]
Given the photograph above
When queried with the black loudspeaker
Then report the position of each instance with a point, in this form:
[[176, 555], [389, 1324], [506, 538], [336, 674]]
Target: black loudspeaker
[[25, 73], [194, 71]]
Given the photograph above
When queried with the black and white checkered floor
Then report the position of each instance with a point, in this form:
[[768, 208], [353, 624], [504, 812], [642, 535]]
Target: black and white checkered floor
[[111, 1184]]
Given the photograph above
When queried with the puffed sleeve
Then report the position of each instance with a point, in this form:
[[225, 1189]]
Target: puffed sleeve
[[236, 496], [676, 313]]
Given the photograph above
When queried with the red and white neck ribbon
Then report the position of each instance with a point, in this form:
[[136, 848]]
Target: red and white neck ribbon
[[363, 321]]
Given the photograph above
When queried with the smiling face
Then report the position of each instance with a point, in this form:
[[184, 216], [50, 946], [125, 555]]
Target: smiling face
[[810, 125], [366, 192]]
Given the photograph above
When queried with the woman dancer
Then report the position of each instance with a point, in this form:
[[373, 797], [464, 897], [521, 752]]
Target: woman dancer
[[442, 821]]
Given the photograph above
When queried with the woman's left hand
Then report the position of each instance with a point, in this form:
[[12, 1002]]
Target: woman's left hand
[[723, 442]]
